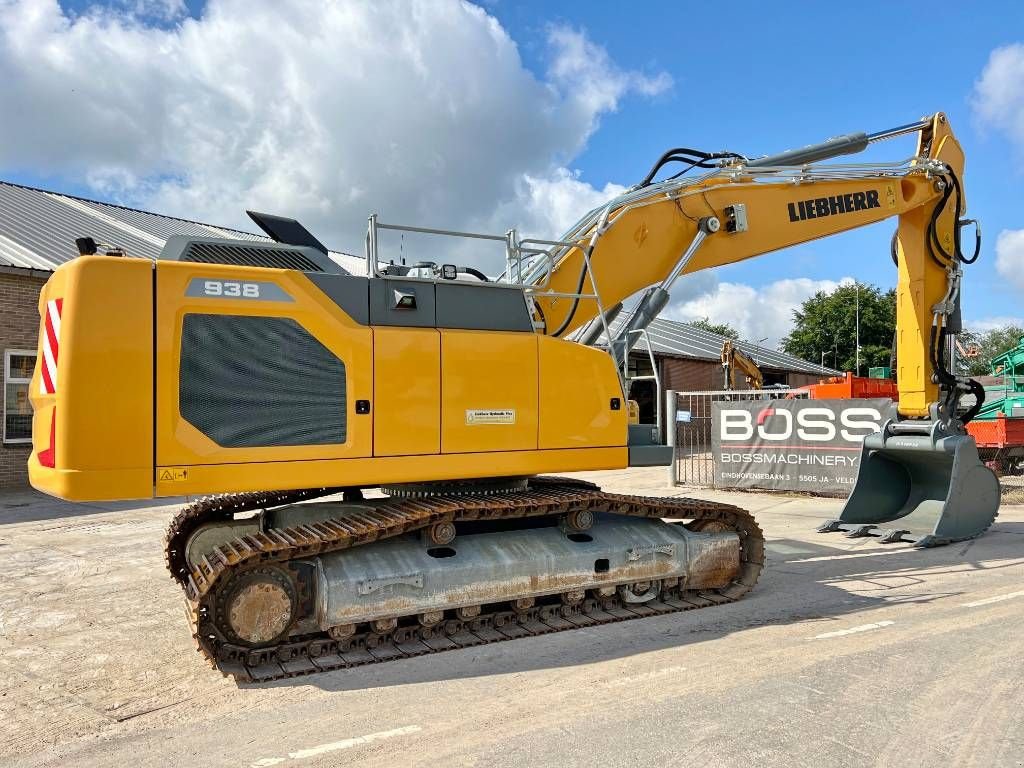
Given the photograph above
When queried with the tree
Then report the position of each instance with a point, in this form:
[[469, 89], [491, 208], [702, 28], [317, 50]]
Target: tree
[[988, 344], [722, 329], [825, 327]]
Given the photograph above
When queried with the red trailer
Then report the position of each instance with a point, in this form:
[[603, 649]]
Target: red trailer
[[1000, 443], [850, 386]]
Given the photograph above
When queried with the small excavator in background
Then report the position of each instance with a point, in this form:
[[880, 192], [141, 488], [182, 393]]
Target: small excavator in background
[[736, 361], [264, 374]]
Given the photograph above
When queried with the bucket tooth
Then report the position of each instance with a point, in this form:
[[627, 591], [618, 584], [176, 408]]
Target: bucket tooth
[[929, 488], [860, 531], [893, 535], [932, 541]]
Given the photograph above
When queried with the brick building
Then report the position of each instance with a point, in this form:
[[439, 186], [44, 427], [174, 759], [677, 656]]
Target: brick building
[[19, 324], [38, 231]]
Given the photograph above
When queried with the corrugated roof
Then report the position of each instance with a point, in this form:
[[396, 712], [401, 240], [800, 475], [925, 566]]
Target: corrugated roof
[[669, 337], [38, 229]]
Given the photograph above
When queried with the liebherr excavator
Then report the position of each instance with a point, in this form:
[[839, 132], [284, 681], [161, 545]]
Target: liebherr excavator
[[262, 373], [736, 361]]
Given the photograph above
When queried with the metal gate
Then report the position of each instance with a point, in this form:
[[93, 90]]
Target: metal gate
[[690, 413]]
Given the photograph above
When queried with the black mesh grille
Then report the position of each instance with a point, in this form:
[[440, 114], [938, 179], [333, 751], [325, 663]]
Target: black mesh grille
[[248, 256], [260, 381]]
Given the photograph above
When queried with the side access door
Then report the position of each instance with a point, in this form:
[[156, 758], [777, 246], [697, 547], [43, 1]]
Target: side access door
[[262, 376]]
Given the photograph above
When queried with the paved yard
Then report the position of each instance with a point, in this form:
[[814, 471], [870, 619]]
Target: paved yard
[[847, 653]]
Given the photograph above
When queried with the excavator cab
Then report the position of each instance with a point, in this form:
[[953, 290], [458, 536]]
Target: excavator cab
[[930, 488]]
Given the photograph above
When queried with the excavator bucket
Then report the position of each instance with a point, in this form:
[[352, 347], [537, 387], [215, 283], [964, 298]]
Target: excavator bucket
[[931, 491]]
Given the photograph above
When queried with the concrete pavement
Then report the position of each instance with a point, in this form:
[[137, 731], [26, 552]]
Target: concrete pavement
[[847, 653]]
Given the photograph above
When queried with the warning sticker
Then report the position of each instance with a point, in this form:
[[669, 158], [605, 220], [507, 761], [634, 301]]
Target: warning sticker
[[172, 475], [491, 416]]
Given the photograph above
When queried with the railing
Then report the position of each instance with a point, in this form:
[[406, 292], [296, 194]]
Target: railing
[[653, 377], [525, 264]]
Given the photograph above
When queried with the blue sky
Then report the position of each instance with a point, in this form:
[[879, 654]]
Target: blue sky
[[745, 77], [762, 80]]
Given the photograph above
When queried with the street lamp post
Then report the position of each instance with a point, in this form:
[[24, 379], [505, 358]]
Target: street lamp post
[[857, 341]]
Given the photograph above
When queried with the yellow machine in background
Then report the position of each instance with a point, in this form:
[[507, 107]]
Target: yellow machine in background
[[735, 360], [266, 375]]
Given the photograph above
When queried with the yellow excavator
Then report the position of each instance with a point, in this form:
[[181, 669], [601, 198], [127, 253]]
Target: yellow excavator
[[736, 361], [262, 374]]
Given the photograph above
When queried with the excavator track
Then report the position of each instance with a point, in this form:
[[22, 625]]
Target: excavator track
[[318, 651]]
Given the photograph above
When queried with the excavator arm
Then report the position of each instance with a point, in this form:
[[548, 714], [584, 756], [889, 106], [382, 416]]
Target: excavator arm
[[921, 470], [653, 235]]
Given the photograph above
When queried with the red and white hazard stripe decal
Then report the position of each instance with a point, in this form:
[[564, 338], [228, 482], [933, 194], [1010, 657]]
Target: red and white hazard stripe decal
[[51, 346]]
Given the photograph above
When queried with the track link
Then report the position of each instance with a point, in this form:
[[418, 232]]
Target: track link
[[315, 652]]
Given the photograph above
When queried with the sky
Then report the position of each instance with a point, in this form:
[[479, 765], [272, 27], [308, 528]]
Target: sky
[[499, 115]]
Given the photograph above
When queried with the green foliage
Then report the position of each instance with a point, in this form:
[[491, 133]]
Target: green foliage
[[827, 323], [989, 344], [722, 329]]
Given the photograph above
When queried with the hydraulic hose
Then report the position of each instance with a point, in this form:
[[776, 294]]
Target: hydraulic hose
[[475, 273], [979, 400], [579, 289]]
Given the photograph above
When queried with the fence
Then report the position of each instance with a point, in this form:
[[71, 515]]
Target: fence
[[693, 461], [690, 412]]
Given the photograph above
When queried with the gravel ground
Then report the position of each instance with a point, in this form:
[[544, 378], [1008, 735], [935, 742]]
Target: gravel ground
[[848, 653]]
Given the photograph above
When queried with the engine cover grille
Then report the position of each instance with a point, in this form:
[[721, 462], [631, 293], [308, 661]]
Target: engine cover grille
[[260, 381], [248, 256]]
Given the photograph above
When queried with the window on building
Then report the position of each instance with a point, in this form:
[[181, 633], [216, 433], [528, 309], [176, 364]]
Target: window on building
[[18, 367]]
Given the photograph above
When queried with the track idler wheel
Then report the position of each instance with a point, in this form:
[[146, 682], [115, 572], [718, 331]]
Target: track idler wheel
[[383, 626], [258, 606], [439, 534], [640, 591], [431, 618], [709, 526], [342, 632], [579, 520], [574, 596], [523, 604]]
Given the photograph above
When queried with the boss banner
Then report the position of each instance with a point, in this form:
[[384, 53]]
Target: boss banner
[[793, 445]]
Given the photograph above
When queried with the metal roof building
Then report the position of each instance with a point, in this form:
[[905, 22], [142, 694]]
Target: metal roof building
[[677, 339], [38, 229]]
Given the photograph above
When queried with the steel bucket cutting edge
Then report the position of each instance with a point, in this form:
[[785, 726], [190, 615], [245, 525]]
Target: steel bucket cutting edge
[[919, 487]]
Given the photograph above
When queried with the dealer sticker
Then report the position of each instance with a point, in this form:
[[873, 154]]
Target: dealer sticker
[[491, 416]]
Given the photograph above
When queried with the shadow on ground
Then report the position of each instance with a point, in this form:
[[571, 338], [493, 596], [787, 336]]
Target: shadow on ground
[[801, 584], [29, 506]]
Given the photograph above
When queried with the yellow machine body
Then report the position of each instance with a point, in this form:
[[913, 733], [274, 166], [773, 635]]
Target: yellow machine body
[[443, 403]]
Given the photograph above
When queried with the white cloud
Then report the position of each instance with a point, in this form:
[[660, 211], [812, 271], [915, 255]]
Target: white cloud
[[1010, 256], [585, 72], [984, 324], [756, 313], [548, 205], [421, 111], [999, 93]]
